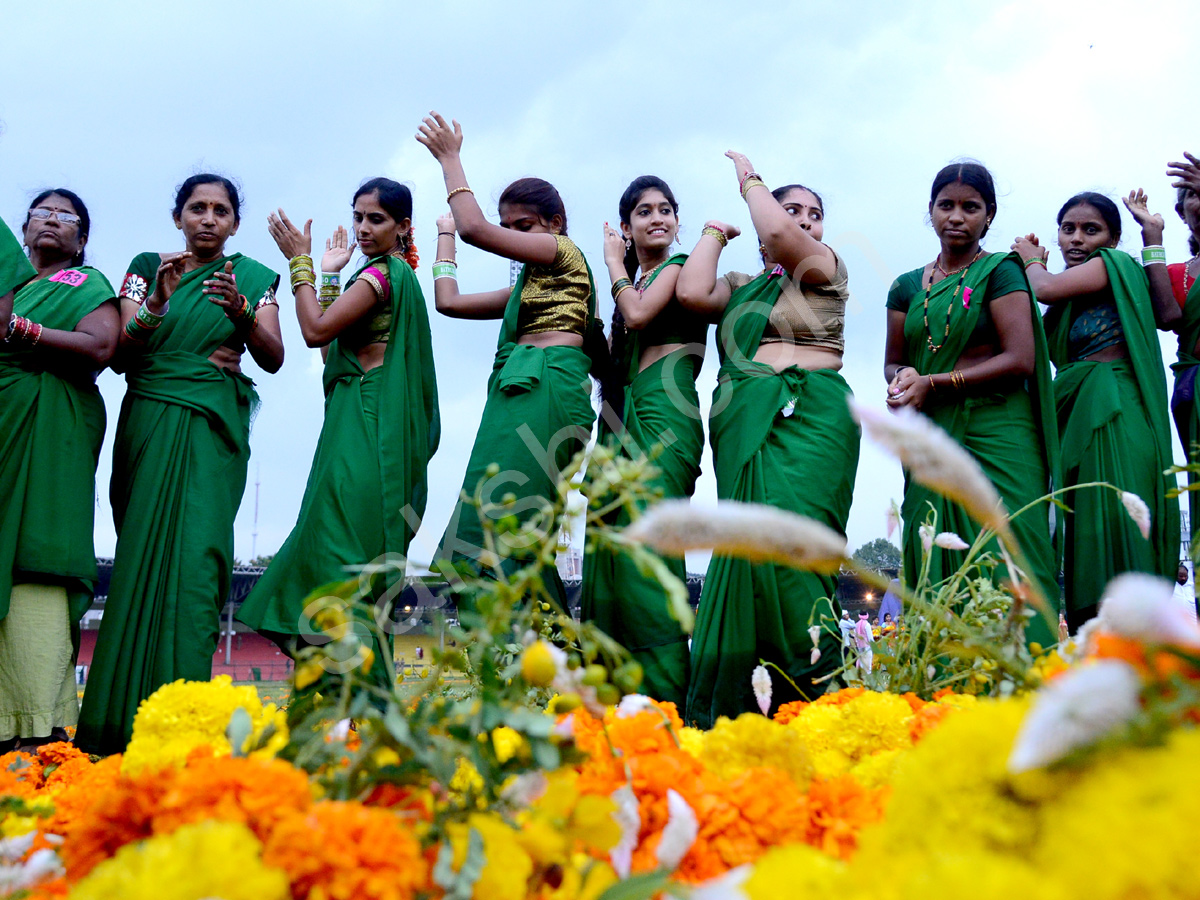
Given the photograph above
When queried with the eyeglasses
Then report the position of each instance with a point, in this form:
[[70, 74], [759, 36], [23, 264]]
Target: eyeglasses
[[47, 214]]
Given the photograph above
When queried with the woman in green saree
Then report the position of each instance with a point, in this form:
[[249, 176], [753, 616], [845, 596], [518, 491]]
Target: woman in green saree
[[367, 488], [965, 346], [781, 434], [180, 456], [1111, 394], [539, 412], [650, 402], [62, 329]]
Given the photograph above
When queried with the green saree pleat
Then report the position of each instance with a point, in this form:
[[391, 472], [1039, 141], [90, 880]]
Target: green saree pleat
[[1114, 427], [367, 488], [1012, 434], [51, 428], [785, 439], [1187, 415], [15, 267], [538, 415], [179, 470], [662, 408]]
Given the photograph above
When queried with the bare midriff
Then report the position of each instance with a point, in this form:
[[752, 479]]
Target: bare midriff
[[552, 339], [780, 355]]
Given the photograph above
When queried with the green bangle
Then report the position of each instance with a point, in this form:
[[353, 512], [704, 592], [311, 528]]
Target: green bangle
[[619, 285], [1154, 254], [445, 270], [1036, 260]]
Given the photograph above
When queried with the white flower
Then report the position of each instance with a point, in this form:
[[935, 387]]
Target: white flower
[[632, 704], [566, 727], [1143, 607], [724, 887], [340, 730], [1074, 711], [749, 531], [927, 534], [629, 819], [948, 540], [679, 833], [893, 518], [930, 672], [814, 656], [526, 788], [814, 633], [1138, 511], [936, 460], [13, 848], [41, 864], [761, 682]]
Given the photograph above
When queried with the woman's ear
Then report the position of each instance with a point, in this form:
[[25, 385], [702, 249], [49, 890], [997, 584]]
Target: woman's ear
[[556, 224], [626, 230]]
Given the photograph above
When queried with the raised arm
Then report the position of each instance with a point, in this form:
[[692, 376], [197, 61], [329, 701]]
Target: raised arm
[[1086, 278], [257, 326], [445, 142], [447, 299], [781, 231], [138, 320], [638, 308], [1167, 314], [698, 288]]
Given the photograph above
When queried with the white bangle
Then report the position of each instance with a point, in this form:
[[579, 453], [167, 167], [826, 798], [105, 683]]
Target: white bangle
[[1154, 254]]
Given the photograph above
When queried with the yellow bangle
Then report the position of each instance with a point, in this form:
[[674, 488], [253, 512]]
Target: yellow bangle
[[459, 190]]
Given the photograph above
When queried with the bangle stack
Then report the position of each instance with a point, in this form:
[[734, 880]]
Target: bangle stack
[[749, 180], [331, 289], [957, 380], [301, 270], [445, 268], [459, 190], [1154, 255], [714, 231], [21, 329], [142, 325], [619, 285], [1035, 261], [244, 316]]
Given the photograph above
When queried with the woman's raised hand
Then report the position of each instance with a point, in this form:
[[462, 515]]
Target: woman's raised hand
[[1138, 205], [338, 251], [445, 224], [614, 246], [1186, 174], [170, 270], [740, 163], [290, 239], [221, 288], [1028, 248], [444, 141], [731, 231]]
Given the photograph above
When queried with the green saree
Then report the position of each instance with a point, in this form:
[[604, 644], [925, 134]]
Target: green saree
[[1185, 404], [538, 415], [785, 439], [661, 408], [367, 489], [1114, 427], [51, 428], [179, 470], [1011, 432]]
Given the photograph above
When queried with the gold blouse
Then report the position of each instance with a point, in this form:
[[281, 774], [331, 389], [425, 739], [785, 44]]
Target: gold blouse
[[807, 315], [555, 297], [376, 326]]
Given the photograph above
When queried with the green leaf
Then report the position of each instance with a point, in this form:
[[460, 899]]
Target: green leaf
[[461, 884], [638, 887]]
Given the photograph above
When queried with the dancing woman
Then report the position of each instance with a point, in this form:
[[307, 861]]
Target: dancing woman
[[368, 486], [180, 456], [965, 346], [539, 412], [1111, 394], [60, 330], [781, 434], [657, 350]]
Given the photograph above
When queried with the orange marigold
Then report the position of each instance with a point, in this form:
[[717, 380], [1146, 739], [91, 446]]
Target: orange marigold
[[74, 788], [20, 775], [346, 851], [838, 809], [789, 711], [840, 698], [121, 814], [927, 718]]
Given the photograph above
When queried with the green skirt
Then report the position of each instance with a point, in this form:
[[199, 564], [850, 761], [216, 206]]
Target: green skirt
[[537, 417], [340, 528], [805, 463], [661, 408], [1106, 436]]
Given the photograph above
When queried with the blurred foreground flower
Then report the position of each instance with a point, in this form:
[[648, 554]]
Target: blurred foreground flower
[[1138, 511], [760, 680], [1142, 607]]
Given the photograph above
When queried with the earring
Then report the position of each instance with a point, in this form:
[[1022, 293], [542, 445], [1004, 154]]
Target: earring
[[628, 243]]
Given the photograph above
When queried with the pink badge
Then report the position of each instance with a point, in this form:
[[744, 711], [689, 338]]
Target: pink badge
[[966, 298], [69, 276]]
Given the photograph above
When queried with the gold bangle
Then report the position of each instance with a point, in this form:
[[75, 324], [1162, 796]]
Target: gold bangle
[[932, 386], [459, 190], [444, 260]]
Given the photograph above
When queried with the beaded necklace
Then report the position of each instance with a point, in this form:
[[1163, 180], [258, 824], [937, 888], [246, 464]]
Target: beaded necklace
[[962, 275], [645, 279], [1185, 275]]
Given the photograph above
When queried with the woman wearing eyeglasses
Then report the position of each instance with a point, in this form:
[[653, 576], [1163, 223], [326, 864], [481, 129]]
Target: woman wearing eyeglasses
[[60, 327], [180, 456]]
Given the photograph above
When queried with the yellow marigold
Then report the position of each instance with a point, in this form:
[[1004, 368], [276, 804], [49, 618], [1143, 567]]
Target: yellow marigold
[[507, 742], [466, 779], [796, 870], [872, 722], [752, 741], [508, 867], [692, 741], [1136, 809], [347, 851], [819, 725], [208, 859], [583, 879], [563, 821], [184, 716], [877, 769]]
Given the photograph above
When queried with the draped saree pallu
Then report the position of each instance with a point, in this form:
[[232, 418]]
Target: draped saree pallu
[[538, 415], [1011, 432], [51, 428], [368, 487], [661, 408], [785, 439], [179, 470], [1185, 404], [1114, 427]]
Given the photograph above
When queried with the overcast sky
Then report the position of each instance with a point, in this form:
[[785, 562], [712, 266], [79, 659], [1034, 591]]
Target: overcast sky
[[301, 101]]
